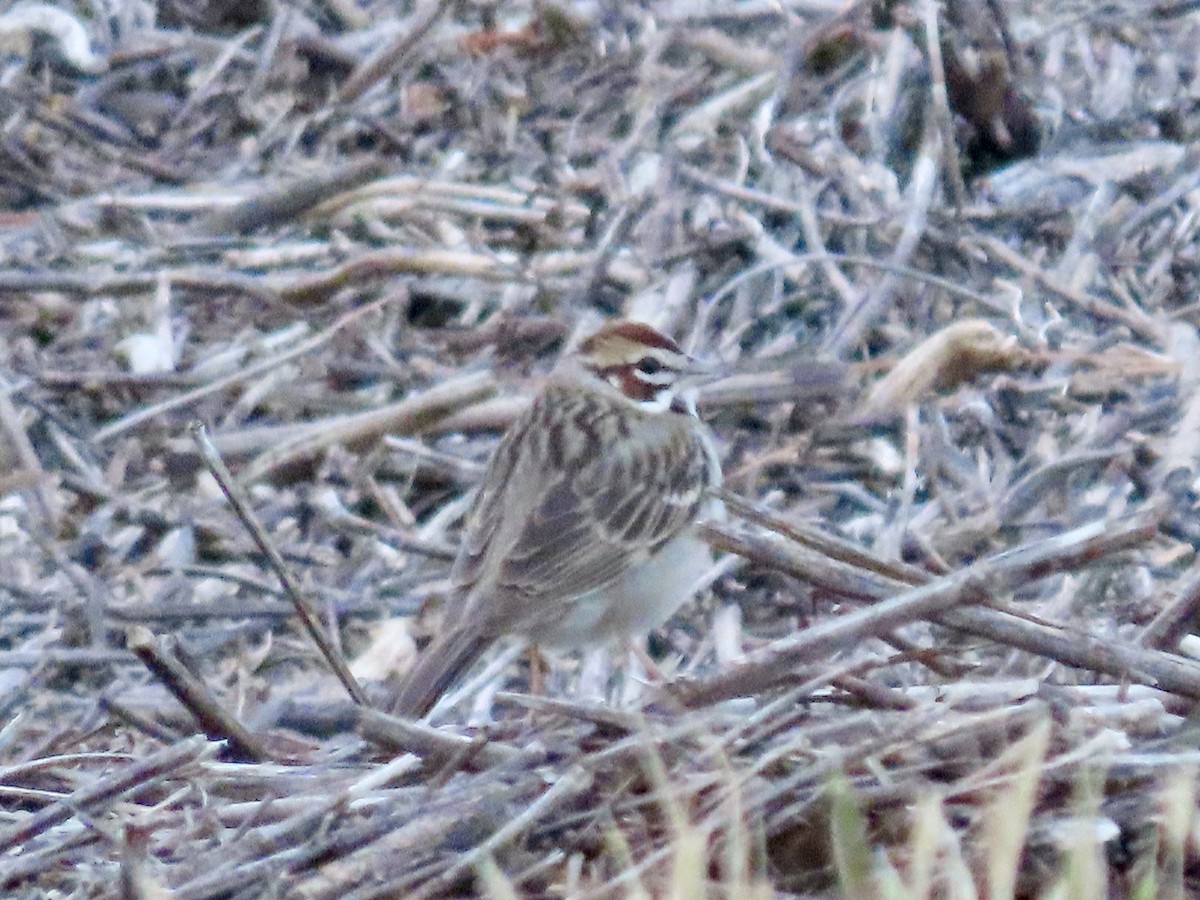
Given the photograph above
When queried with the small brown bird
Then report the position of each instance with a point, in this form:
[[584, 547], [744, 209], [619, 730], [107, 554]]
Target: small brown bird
[[583, 530]]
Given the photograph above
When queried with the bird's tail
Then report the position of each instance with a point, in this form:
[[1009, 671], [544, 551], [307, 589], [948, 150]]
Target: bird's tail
[[444, 662]]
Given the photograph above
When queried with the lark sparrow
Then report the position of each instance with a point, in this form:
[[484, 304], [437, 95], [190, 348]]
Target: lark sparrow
[[583, 530]]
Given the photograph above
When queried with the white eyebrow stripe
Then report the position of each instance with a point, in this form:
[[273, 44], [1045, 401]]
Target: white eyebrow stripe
[[659, 379]]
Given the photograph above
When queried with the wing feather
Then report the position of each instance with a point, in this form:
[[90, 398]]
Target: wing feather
[[579, 512]]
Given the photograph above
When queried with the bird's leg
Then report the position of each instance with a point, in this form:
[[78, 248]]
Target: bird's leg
[[537, 670], [594, 673], [652, 671], [641, 671]]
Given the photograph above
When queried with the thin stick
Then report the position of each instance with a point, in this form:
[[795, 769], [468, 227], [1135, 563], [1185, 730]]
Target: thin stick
[[855, 319], [134, 719], [125, 423], [942, 116], [1062, 553], [282, 203], [42, 498], [407, 416], [765, 671], [436, 747], [375, 265], [827, 544], [1137, 320], [300, 600], [194, 694], [135, 777], [571, 783], [1174, 620], [388, 58]]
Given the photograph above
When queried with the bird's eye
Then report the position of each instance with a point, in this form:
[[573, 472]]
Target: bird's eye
[[649, 365]]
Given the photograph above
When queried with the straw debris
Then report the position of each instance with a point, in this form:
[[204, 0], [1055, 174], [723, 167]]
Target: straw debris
[[947, 649]]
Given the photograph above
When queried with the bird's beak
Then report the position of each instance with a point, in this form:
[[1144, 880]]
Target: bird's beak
[[702, 371]]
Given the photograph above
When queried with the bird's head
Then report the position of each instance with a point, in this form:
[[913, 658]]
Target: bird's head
[[645, 366]]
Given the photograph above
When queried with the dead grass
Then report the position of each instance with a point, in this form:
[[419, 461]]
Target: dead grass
[[951, 251]]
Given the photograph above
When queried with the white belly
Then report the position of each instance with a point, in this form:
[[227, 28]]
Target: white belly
[[637, 602]]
